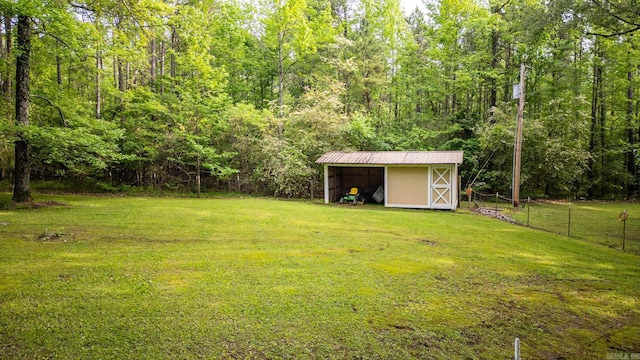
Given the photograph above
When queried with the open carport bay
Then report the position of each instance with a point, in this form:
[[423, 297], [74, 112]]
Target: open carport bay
[[343, 178]]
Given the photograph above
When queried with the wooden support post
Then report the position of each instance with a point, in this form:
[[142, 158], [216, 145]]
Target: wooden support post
[[569, 223], [518, 145]]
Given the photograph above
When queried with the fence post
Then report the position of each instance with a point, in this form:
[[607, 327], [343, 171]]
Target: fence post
[[624, 227], [623, 217], [528, 209], [516, 346], [497, 201], [624, 232], [569, 224]]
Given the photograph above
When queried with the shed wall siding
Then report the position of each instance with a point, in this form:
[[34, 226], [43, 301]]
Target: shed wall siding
[[408, 186]]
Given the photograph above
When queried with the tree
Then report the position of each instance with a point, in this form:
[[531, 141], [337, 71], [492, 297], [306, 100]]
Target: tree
[[616, 17], [293, 30], [198, 97], [22, 182], [156, 93]]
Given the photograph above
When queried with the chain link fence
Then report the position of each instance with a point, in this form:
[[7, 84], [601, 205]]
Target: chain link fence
[[613, 224]]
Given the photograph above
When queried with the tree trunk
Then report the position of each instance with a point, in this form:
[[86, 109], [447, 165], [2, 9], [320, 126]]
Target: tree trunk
[[280, 84], [114, 64], [58, 66], [493, 95], [121, 83], [98, 84], [153, 61], [198, 177], [454, 96], [21, 189], [3, 54], [280, 75], [508, 70], [172, 58], [6, 80], [593, 129], [128, 77], [602, 116], [597, 132], [161, 66], [631, 165]]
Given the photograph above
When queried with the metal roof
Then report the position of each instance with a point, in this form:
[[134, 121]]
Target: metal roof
[[391, 157]]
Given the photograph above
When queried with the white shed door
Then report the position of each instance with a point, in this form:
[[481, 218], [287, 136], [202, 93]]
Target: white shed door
[[441, 193]]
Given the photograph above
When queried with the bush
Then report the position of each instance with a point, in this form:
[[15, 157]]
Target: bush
[[283, 170]]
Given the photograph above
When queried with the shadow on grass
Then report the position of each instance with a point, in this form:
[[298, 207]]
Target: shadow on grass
[[7, 204]]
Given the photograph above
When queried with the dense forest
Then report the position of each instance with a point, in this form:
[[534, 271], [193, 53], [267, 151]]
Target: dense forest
[[246, 95]]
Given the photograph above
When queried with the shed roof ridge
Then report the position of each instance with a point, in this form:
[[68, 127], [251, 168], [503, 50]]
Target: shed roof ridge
[[411, 157]]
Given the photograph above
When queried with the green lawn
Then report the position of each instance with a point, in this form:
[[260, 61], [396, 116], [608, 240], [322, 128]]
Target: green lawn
[[138, 277]]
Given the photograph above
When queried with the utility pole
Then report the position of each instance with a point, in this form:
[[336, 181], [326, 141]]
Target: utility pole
[[518, 144]]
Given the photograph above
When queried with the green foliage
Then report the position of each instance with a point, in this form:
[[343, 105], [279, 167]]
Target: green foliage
[[318, 124], [285, 170], [86, 148], [494, 162], [559, 162], [208, 88], [360, 133], [244, 128]]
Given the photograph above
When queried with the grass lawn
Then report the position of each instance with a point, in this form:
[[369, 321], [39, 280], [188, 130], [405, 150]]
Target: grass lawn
[[138, 277]]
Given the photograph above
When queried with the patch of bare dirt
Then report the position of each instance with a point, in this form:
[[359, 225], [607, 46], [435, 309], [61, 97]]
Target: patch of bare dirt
[[37, 205], [48, 235], [429, 242]]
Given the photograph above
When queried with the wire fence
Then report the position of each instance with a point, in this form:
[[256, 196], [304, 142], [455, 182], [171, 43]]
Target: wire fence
[[613, 224]]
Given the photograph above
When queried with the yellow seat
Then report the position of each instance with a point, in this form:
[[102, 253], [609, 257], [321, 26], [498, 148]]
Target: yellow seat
[[354, 191]]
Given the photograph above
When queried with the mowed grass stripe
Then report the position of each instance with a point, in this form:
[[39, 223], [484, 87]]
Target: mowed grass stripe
[[262, 278]]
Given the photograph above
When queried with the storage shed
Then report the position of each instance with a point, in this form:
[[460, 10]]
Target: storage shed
[[410, 179]]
